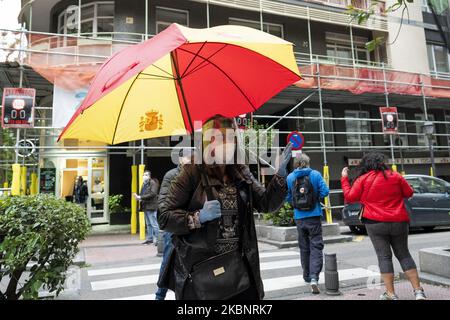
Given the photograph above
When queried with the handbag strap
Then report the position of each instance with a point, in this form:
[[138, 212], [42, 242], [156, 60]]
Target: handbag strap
[[205, 181]]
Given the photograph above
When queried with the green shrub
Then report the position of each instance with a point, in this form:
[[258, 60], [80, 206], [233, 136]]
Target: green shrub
[[114, 203], [284, 217], [42, 232]]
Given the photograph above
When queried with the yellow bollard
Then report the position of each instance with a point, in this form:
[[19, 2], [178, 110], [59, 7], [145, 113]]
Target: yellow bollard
[[23, 181], [6, 185], [33, 184], [15, 184], [141, 214], [394, 168], [431, 172], [326, 177], [403, 173], [133, 200]]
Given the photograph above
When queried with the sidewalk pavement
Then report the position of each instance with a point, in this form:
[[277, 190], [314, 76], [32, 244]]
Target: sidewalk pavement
[[403, 290]]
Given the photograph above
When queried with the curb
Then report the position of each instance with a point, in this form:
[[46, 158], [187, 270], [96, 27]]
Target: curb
[[429, 278]]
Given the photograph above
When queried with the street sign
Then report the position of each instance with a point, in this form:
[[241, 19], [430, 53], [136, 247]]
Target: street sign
[[297, 140], [18, 107], [389, 119], [242, 121], [27, 148]]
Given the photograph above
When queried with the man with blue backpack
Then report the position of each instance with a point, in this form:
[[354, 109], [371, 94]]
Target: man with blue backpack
[[306, 189]]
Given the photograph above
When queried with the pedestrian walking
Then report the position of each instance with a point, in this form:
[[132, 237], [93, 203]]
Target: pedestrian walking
[[149, 205], [209, 209], [381, 193], [184, 158], [306, 188]]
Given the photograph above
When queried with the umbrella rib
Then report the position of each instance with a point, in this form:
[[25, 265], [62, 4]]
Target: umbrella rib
[[196, 55], [155, 75], [178, 80], [203, 63], [171, 75], [226, 75], [121, 108]]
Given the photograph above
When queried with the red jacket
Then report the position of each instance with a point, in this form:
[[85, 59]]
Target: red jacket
[[382, 198]]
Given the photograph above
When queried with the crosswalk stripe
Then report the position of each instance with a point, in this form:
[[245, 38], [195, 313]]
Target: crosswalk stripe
[[278, 254], [280, 264], [124, 282], [170, 296], [108, 271], [281, 283], [152, 279]]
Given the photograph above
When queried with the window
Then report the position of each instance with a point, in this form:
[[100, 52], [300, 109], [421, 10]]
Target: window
[[166, 16], [356, 127], [416, 185], [97, 19], [313, 125], [339, 48], [447, 127], [421, 138], [434, 185], [272, 28], [438, 58]]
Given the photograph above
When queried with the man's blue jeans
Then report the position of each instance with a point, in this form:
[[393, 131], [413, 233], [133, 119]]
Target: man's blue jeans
[[311, 246], [152, 226], [168, 247]]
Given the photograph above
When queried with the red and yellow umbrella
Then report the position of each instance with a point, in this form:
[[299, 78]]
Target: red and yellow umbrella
[[162, 86]]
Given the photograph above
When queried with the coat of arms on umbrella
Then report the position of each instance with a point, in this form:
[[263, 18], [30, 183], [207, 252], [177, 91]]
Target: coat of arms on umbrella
[[151, 121]]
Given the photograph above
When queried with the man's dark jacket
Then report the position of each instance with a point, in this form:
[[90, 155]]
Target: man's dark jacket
[[149, 196]]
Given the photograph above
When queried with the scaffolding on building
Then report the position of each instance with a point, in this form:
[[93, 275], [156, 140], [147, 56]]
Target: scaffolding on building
[[72, 60]]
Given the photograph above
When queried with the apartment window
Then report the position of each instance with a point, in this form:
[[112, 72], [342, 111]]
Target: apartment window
[[356, 128], [97, 19], [447, 127], [339, 48], [402, 128], [166, 16], [272, 28], [421, 138], [438, 58], [313, 125]]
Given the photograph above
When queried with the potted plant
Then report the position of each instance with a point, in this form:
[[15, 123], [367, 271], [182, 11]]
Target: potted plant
[[117, 213]]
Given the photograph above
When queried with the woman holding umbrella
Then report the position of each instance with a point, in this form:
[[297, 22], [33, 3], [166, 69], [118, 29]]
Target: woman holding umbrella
[[209, 209]]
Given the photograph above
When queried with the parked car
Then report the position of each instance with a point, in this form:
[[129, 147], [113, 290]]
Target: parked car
[[428, 208]]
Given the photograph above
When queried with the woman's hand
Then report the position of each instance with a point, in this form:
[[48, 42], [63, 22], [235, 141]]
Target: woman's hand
[[345, 172]]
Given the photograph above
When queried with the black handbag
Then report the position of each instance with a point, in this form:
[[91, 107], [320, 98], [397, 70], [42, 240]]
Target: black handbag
[[219, 277]]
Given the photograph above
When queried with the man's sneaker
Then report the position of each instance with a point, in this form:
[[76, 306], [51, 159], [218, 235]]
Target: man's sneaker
[[147, 242], [387, 296], [420, 294], [314, 286]]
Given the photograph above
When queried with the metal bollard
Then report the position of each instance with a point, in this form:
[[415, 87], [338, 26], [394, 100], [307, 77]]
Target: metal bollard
[[331, 275], [160, 243]]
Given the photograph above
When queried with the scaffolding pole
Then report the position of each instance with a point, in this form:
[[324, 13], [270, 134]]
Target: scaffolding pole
[[386, 97], [429, 139]]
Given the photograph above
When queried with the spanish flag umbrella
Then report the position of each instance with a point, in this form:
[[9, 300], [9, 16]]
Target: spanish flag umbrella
[[165, 85]]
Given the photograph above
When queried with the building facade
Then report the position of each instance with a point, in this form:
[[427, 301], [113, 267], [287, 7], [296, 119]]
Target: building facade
[[340, 120]]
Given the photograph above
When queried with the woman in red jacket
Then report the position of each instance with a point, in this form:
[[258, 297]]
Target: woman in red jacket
[[381, 192]]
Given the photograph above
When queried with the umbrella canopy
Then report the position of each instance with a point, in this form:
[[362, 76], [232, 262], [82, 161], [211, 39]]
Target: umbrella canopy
[[162, 86]]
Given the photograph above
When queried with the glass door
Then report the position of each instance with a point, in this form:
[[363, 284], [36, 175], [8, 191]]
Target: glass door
[[97, 205]]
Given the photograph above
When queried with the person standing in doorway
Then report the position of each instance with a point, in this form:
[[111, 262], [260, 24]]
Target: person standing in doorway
[[80, 192], [381, 193], [305, 189], [149, 205]]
